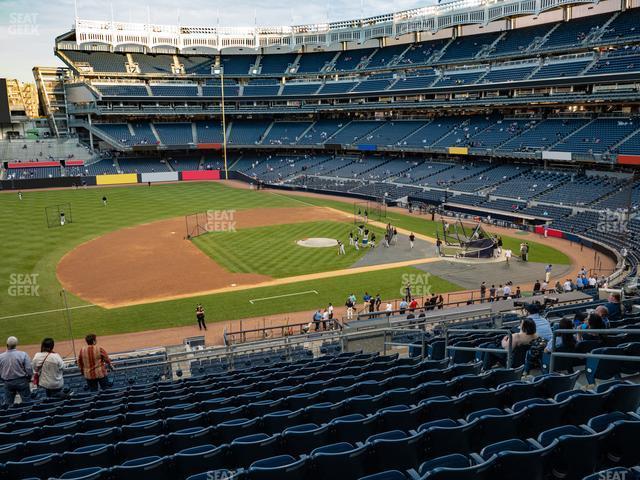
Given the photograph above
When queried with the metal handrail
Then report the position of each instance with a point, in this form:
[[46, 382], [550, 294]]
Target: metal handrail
[[507, 332], [607, 331]]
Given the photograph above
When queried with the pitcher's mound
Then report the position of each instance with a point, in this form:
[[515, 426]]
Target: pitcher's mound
[[317, 242]]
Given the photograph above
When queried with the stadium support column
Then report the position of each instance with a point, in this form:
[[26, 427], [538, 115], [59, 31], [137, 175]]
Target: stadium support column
[[90, 133], [224, 126]]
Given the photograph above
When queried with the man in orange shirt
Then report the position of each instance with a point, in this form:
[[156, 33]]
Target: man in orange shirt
[[93, 362]]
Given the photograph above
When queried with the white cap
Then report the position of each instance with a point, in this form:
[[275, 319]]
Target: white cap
[[12, 342]]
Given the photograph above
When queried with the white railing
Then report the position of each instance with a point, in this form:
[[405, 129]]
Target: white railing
[[426, 19]]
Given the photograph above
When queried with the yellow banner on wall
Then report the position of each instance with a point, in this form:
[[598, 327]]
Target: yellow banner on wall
[[458, 150], [116, 179]]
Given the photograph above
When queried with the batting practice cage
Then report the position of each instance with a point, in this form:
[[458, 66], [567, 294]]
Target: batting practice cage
[[197, 224], [55, 217], [366, 210], [467, 242]]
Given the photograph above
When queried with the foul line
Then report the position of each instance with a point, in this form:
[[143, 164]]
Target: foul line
[[45, 311], [294, 198], [281, 296]]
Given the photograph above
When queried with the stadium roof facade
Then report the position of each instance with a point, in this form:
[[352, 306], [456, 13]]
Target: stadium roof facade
[[393, 25]]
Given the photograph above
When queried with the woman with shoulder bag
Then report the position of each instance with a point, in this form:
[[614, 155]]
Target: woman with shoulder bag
[[48, 367]]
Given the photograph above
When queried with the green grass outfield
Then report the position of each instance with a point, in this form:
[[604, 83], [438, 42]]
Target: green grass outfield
[[29, 247], [243, 251]]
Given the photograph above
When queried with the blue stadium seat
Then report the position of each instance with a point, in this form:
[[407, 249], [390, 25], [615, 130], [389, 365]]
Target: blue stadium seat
[[250, 448], [99, 455], [354, 427], [304, 438], [145, 446], [142, 428], [57, 444], [443, 437], [455, 460], [97, 436], [474, 472], [278, 421], [39, 466], [386, 475], [225, 432], [146, 467], [187, 438], [517, 459], [396, 449], [576, 451], [282, 467], [339, 459], [89, 473], [200, 459]]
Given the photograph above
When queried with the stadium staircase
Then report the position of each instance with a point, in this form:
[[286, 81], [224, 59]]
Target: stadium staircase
[[265, 134], [598, 33], [487, 49], [538, 45], [625, 139], [575, 132], [437, 55], [194, 133], [155, 132]]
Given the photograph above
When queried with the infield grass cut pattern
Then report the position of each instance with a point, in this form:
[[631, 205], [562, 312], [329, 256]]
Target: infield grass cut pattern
[[421, 224], [273, 250]]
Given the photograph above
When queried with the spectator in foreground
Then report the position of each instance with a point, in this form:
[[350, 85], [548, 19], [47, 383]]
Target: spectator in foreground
[[49, 366], [614, 307], [604, 314], [543, 327], [524, 337], [593, 322], [93, 362], [565, 342], [15, 372]]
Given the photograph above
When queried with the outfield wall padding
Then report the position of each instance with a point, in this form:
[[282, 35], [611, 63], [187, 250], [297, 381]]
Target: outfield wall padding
[[458, 150], [629, 159], [200, 175], [56, 182], [117, 179], [551, 232], [159, 177]]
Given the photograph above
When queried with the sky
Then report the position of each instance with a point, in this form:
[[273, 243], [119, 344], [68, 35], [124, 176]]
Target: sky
[[29, 27]]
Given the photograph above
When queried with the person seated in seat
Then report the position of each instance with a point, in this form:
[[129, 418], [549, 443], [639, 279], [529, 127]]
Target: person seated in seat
[[565, 342], [543, 327], [604, 314], [593, 322], [521, 342], [614, 307]]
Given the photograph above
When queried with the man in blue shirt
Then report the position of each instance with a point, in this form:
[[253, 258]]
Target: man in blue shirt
[[614, 307], [317, 318], [15, 372], [543, 327]]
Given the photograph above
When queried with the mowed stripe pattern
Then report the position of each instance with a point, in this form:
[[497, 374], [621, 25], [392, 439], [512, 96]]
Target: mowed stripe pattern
[[273, 250]]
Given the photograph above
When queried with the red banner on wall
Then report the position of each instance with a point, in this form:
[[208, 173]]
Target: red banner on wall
[[74, 163], [209, 146], [629, 159], [201, 175], [33, 164], [551, 232]]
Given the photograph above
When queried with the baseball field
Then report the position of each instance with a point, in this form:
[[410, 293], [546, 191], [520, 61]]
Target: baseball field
[[127, 266]]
